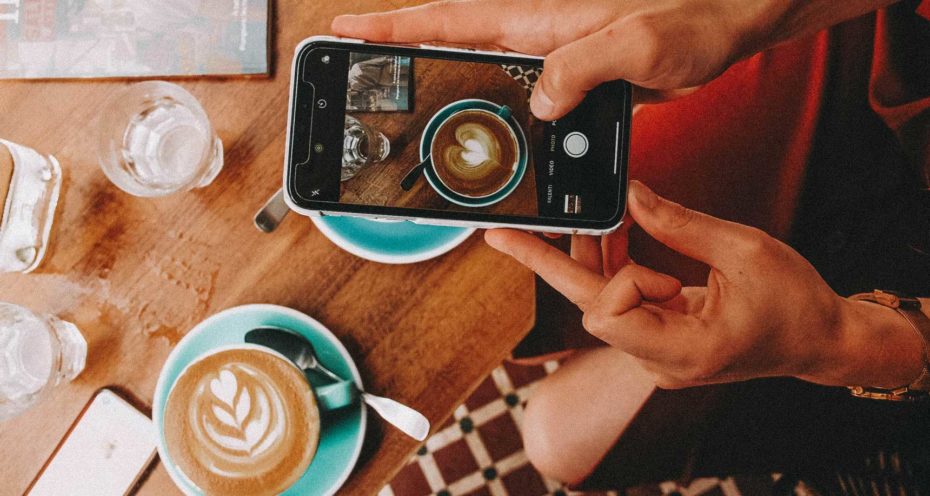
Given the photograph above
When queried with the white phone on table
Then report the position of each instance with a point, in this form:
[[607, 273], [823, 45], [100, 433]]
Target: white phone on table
[[105, 452]]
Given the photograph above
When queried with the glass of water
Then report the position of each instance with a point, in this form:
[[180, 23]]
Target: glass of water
[[155, 139], [362, 146], [37, 352]]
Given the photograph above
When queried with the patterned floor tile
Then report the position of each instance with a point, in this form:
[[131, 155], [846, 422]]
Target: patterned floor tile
[[479, 452]]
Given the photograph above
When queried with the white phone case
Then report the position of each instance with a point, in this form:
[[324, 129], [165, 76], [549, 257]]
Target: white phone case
[[105, 452], [417, 220]]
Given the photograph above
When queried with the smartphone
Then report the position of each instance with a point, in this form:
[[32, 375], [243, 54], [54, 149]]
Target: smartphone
[[105, 452], [445, 136]]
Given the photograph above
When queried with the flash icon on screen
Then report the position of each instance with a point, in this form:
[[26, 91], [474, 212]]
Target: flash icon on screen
[[572, 204]]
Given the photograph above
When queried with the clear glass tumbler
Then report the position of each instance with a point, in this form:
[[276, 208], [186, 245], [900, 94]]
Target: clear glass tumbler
[[29, 187], [362, 146], [37, 352], [155, 139]]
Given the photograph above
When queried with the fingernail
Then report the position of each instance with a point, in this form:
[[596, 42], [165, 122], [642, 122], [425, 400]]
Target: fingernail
[[643, 195], [540, 103]]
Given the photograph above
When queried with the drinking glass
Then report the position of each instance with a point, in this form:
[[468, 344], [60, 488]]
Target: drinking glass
[[362, 147], [155, 139], [29, 187], [37, 352]]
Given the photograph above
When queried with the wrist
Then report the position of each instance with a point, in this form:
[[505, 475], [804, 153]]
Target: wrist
[[781, 20], [879, 347]]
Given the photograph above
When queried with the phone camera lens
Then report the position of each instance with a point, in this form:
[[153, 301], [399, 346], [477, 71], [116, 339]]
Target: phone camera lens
[[325, 59], [318, 147]]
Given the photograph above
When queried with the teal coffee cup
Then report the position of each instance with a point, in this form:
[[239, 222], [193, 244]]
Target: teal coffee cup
[[476, 152], [239, 418], [244, 419]]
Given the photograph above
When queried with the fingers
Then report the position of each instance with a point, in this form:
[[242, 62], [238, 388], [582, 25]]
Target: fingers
[[647, 332], [587, 251], [694, 234], [566, 275], [630, 314], [475, 22], [570, 71], [616, 249], [632, 285]]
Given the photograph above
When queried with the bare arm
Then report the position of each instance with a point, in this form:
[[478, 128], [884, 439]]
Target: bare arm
[[665, 47]]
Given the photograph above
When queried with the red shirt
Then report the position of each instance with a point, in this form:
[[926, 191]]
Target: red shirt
[[814, 114]]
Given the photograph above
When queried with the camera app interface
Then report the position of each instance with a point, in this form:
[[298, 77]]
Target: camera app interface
[[435, 134]]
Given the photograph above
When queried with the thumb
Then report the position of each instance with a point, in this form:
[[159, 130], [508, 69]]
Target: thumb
[[571, 71], [565, 80], [691, 233]]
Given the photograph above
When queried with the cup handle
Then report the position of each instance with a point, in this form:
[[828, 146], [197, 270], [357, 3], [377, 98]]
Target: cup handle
[[336, 395], [504, 112]]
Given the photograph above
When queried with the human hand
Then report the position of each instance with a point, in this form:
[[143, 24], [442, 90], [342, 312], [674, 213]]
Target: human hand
[[585, 42], [665, 47], [764, 312]]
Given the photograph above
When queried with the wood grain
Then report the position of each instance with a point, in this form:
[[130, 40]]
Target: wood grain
[[135, 274]]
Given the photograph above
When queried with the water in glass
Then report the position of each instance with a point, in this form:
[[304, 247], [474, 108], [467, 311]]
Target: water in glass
[[162, 143], [362, 146], [36, 353], [155, 139]]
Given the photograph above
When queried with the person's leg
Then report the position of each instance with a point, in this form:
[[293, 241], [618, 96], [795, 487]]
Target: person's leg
[[577, 414]]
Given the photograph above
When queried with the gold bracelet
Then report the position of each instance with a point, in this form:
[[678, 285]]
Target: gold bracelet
[[909, 308]]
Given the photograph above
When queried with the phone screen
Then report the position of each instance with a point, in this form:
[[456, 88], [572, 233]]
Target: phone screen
[[427, 133]]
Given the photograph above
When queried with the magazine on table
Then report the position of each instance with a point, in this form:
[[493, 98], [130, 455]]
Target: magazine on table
[[132, 38]]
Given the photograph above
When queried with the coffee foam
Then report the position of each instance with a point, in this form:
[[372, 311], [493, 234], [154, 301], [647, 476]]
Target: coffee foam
[[242, 422], [475, 153]]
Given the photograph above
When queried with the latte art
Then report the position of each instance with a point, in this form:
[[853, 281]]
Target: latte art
[[474, 153], [242, 421], [478, 151], [238, 419]]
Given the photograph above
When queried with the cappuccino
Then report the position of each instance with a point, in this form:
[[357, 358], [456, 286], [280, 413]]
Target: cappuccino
[[474, 153], [242, 421]]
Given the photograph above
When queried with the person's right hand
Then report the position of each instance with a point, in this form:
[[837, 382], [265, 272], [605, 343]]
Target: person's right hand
[[764, 312]]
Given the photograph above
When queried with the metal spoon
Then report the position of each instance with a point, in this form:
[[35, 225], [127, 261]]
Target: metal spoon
[[301, 352], [272, 213]]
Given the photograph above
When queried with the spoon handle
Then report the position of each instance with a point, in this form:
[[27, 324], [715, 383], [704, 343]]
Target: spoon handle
[[411, 178], [329, 373], [272, 213], [408, 420]]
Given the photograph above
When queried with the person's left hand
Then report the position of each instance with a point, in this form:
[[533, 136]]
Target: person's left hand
[[764, 312]]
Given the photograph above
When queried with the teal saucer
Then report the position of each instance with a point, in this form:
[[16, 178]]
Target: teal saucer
[[342, 431], [434, 181], [390, 242]]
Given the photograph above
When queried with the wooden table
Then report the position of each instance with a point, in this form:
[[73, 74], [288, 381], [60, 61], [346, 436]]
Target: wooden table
[[135, 274]]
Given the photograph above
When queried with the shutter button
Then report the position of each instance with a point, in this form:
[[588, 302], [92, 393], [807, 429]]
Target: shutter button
[[575, 144]]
